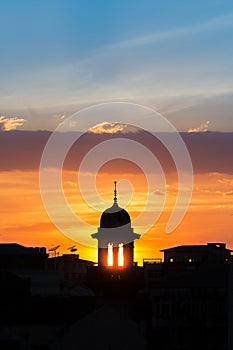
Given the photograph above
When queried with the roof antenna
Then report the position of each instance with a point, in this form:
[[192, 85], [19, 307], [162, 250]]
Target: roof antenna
[[115, 192]]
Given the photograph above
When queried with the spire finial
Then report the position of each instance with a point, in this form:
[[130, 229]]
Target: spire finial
[[115, 192]]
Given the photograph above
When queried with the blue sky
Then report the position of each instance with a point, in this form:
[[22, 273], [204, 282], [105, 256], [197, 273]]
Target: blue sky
[[174, 56]]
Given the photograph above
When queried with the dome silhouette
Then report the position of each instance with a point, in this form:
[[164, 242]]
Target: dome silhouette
[[114, 217]]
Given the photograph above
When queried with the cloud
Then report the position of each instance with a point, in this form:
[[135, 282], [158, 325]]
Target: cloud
[[219, 206], [213, 24], [158, 193], [72, 184], [112, 128], [60, 116], [230, 193], [211, 152], [7, 124], [202, 128], [226, 181]]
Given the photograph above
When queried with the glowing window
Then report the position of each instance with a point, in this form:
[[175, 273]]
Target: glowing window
[[110, 254], [171, 260], [120, 255], [190, 260]]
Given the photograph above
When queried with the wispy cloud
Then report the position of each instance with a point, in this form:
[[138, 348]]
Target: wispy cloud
[[7, 124], [158, 192], [72, 184], [202, 128], [60, 116], [216, 23]]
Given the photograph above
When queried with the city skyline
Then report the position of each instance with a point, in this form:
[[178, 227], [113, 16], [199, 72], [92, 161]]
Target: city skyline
[[170, 56]]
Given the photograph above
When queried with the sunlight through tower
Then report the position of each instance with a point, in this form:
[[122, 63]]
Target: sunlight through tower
[[120, 255], [110, 254]]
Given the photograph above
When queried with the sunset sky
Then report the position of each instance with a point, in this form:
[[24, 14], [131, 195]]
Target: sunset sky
[[58, 57]]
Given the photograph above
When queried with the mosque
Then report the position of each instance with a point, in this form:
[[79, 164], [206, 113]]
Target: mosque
[[116, 266], [115, 237]]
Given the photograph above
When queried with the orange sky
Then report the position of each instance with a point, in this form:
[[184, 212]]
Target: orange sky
[[209, 218]]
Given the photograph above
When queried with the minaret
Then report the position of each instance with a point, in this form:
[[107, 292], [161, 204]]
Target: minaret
[[115, 237], [115, 193]]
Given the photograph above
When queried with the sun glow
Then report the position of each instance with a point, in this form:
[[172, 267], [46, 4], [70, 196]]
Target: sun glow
[[211, 190], [110, 254], [120, 255]]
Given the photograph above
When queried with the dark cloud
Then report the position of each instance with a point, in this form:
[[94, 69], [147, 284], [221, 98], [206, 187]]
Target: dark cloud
[[209, 151]]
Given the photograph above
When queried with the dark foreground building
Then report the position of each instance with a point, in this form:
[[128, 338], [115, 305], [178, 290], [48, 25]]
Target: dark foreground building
[[188, 297], [184, 302], [40, 297]]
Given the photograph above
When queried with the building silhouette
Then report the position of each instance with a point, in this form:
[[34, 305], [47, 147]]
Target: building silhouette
[[188, 297], [71, 270], [15, 256], [211, 252]]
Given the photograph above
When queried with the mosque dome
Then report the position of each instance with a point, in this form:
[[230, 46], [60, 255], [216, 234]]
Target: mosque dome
[[114, 217]]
